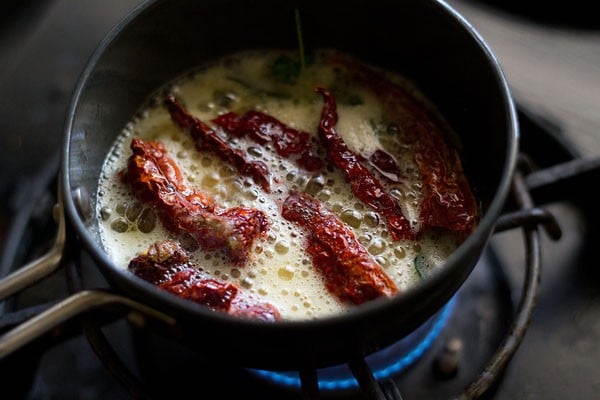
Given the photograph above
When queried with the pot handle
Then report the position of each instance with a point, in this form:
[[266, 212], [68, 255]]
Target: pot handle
[[76, 305], [564, 181], [43, 266]]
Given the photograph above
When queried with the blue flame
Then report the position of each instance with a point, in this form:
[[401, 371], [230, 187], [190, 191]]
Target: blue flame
[[292, 378]]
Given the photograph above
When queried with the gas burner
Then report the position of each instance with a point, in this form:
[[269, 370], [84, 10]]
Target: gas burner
[[386, 363]]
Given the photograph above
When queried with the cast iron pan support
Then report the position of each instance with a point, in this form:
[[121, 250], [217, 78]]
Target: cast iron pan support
[[528, 217]]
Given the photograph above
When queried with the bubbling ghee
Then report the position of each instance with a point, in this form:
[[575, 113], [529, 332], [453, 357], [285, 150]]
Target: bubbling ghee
[[279, 271]]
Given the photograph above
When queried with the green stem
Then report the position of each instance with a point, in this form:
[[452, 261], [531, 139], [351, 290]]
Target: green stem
[[300, 39]]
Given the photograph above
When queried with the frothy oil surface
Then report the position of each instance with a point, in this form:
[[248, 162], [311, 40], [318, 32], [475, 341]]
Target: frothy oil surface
[[279, 271]]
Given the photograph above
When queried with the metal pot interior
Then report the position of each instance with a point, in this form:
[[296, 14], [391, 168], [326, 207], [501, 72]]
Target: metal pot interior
[[425, 41]]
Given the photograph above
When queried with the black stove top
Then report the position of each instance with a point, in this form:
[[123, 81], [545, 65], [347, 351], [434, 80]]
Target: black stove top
[[558, 355]]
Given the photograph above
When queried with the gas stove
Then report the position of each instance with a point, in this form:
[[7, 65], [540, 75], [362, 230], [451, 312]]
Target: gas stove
[[502, 336]]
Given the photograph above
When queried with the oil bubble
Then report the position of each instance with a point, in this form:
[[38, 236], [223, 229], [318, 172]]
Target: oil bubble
[[371, 219], [400, 252], [377, 247], [147, 220], [352, 218], [105, 213], [281, 248], [286, 273], [133, 211], [315, 185], [120, 225]]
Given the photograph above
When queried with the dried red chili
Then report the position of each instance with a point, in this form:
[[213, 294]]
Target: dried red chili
[[448, 201], [364, 185], [349, 272], [263, 128], [167, 265], [156, 180], [207, 139]]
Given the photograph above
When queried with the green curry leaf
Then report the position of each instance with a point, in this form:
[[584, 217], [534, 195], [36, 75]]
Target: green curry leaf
[[286, 70]]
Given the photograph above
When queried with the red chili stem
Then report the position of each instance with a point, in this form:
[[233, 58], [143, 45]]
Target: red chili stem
[[349, 272], [168, 266], [231, 230], [207, 139], [364, 185]]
